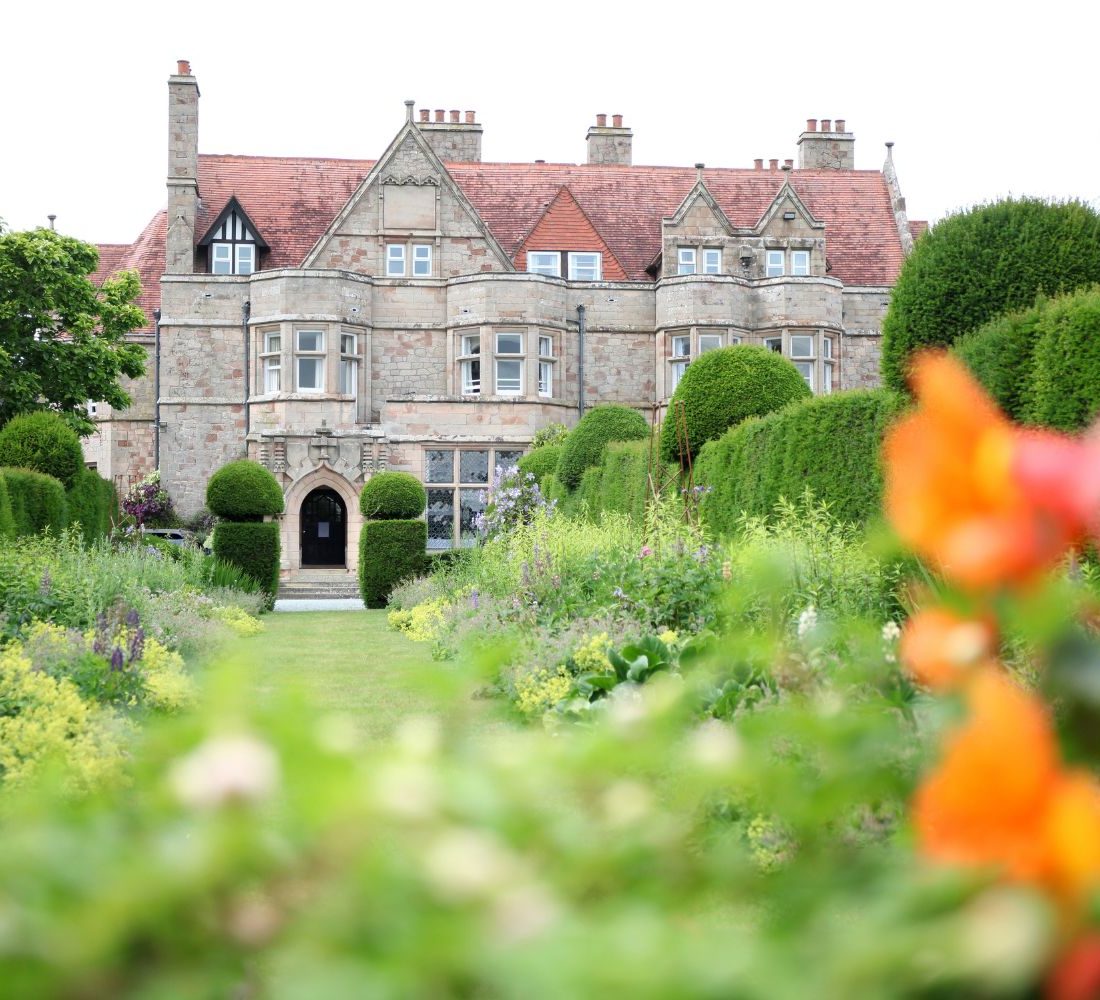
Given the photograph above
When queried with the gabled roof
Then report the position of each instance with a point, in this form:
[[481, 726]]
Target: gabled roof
[[234, 206], [293, 200], [565, 226]]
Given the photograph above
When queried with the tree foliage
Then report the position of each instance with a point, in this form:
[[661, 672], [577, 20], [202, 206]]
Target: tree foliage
[[62, 340], [44, 442], [983, 262]]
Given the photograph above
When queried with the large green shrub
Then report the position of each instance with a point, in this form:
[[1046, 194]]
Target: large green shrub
[[37, 501], [390, 551], [1064, 389], [253, 547], [830, 444], [7, 521], [244, 491], [388, 496], [43, 442], [585, 443], [985, 261], [1000, 355], [93, 504], [625, 479], [541, 462], [721, 388]]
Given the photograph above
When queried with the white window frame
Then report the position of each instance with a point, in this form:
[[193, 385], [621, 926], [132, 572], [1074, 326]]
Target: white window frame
[[774, 344], [712, 260], [395, 260], [676, 372], [578, 266], [720, 338], [316, 354], [221, 258], [508, 357], [245, 258], [806, 370], [422, 260], [800, 337], [349, 364], [545, 262], [685, 260], [546, 365], [775, 263], [800, 263], [272, 360], [828, 364], [680, 345], [469, 355]]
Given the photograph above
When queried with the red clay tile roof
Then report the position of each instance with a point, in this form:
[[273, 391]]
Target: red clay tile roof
[[292, 200], [564, 226]]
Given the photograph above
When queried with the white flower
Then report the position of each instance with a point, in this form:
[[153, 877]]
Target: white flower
[[465, 864], [891, 632], [225, 769], [714, 745], [807, 622]]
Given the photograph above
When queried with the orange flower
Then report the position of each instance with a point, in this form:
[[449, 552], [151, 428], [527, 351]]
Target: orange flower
[[959, 490], [1071, 836], [987, 802], [939, 647]]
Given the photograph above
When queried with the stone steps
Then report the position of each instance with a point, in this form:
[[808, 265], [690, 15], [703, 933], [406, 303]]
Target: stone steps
[[319, 586]]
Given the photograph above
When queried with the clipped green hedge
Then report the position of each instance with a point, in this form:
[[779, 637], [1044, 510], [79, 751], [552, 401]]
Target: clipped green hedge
[[621, 482], [585, 443], [392, 496], [1064, 390], [721, 388], [93, 504], [43, 442], [253, 547], [244, 491], [541, 462], [976, 265], [7, 520], [830, 444], [37, 501], [390, 551], [1000, 355]]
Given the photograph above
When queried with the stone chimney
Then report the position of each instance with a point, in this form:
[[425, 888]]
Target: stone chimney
[[183, 169], [455, 141], [609, 143], [825, 148]]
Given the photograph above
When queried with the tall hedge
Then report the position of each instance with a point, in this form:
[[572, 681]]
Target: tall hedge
[[981, 263], [43, 442], [37, 501], [585, 443], [244, 491], [1000, 355], [1064, 390], [93, 503], [621, 482], [7, 521], [720, 389], [252, 546], [831, 444], [389, 552], [541, 462]]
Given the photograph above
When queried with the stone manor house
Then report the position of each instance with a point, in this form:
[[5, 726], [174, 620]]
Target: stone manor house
[[428, 312]]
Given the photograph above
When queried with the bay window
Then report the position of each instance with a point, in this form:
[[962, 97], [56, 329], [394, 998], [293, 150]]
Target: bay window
[[349, 364], [469, 364], [272, 361], [310, 360], [509, 364]]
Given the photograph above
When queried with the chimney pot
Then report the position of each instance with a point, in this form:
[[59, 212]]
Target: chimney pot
[[811, 124], [439, 113], [425, 114], [601, 121], [826, 125], [455, 115], [183, 67], [773, 164], [840, 124], [470, 118], [758, 164], [788, 164], [617, 121]]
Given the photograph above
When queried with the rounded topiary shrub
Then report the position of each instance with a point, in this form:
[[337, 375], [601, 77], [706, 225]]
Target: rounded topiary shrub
[[988, 260], [42, 442], [390, 551], [389, 496], [585, 443], [1000, 356], [541, 462], [37, 501], [253, 547], [720, 389], [244, 491], [1064, 383], [7, 521]]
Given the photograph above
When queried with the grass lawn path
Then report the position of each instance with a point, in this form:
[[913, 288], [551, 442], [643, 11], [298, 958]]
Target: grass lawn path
[[349, 661]]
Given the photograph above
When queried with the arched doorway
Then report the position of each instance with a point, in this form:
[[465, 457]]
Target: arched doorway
[[324, 521]]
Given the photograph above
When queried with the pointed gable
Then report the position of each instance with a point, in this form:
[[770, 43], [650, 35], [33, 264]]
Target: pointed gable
[[564, 226], [699, 211], [233, 223]]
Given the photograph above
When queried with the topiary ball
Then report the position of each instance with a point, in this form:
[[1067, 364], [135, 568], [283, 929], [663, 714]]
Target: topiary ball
[[541, 462], [42, 442], [585, 443], [244, 491], [392, 496], [721, 388]]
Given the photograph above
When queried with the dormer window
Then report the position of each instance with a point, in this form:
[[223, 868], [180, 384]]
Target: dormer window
[[233, 244]]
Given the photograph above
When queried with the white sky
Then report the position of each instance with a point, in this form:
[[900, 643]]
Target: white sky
[[981, 100]]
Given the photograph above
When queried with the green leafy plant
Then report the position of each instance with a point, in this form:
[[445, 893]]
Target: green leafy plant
[[392, 496], [541, 462], [585, 443], [551, 434], [37, 501]]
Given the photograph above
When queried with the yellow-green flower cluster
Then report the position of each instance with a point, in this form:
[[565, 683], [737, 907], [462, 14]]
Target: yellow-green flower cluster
[[541, 690], [239, 621], [590, 656], [424, 623], [47, 719], [168, 686]]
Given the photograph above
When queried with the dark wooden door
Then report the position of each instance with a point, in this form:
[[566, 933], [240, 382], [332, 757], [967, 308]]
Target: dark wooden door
[[324, 529]]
